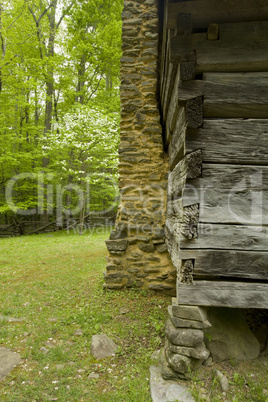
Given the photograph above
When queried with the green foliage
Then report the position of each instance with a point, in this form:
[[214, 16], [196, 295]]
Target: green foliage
[[59, 99]]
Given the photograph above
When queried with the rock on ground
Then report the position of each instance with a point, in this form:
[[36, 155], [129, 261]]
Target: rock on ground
[[223, 380], [8, 360], [183, 336], [167, 391], [230, 336], [102, 346], [11, 319]]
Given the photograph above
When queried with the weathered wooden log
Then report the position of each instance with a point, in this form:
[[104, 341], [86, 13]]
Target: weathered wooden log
[[246, 207], [228, 237], [165, 65], [190, 221], [228, 263], [223, 294], [230, 141], [163, 43], [176, 149], [187, 68], [184, 24], [204, 12], [186, 272], [183, 71], [241, 47], [189, 167], [230, 194], [194, 112], [229, 94], [238, 176], [175, 209], [169, 85], [172, 110], [193, 115]]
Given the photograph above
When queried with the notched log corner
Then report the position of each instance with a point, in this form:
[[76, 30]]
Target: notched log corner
[[186, 272], [190, 221], [184, 24], [194, 112], [194, 164], [187, 66]]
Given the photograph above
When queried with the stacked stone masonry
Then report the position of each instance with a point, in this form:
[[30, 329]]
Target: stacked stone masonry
[[185, 350], [138, 255]]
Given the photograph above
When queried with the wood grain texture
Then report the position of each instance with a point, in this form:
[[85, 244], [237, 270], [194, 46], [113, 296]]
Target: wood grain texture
[[184, 24], [238, 176], [175, 210], [190, 221], [176, 149], [169, 86], [165, 63], [188, 168], [206, 11], [231, 141], [218, 264], [241, 47], [245, 207], [193, 113], [163, 46], [230, 194], [172, 108], [229, 94], [223, 294], [228, 237]]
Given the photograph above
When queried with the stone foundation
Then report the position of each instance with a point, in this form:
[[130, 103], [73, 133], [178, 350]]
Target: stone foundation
[[138, 254], [198, 335], [185, 350]]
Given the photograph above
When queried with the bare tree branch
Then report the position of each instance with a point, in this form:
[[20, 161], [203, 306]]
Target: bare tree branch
[[44, 12], [12, 58], [95, 90], [13, 22], [38, 31], [64, 13], [31, 11]]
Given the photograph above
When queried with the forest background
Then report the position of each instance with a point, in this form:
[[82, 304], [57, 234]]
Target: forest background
[[59, 108]]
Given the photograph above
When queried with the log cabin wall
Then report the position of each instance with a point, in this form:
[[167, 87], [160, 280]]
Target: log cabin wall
[[214, 105], [138, 255]]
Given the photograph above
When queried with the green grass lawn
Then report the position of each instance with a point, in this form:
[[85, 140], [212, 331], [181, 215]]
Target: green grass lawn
[[55, 283]]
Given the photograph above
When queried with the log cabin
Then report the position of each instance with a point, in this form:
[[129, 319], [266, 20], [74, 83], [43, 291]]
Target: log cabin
[[193, 219]]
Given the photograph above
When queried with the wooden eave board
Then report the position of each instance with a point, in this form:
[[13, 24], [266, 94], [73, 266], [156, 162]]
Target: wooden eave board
[[223, 294], [205, 12], [241, 47]]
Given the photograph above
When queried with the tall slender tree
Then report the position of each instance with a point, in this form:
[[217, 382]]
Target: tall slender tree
[[58, 58]]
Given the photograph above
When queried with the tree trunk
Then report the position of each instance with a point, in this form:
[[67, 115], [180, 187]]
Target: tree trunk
[[3, 48], [50, 70], [80, 97]]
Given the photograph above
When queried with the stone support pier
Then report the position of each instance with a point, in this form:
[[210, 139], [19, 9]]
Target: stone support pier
[[185, 350]]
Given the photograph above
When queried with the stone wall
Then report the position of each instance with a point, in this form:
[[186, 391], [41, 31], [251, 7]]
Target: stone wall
[[138, 255]]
